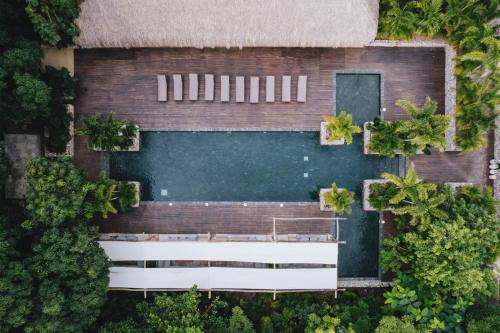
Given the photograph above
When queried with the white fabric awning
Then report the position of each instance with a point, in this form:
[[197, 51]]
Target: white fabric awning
[[207, 278], [259, 252]]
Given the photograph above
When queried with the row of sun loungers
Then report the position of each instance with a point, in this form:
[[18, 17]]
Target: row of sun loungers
[[286, 85]]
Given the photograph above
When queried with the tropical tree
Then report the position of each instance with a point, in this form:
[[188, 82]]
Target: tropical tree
[[70, 271], [391, 324], [426, 129], [444, 266], [106, 133], [416, 198], [385, 139], [340, 199], [54, 20], [340, 127], [56, 193]]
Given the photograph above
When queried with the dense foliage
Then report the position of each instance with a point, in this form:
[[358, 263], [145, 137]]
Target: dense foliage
[[30, 94], [106, 133], [190, 312], [442, 253], [339, 199], [340, 127], [423, 131], [467, 24], [55, 275], [484, 317], [54, 20]]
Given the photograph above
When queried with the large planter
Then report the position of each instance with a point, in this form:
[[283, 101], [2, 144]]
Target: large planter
[[137, 193], [324, 137], [322, 203], [134, 147], [366, 193], [367, 135]]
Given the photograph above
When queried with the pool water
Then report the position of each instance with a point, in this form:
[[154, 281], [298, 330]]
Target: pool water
[[276, 166], [244, 166]]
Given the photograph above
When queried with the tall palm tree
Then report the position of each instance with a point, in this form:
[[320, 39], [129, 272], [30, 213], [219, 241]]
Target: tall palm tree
[[341, 127], [416, 198], [425, 129]]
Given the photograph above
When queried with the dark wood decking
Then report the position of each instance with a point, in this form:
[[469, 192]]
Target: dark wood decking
[[159, 217], [124, 81]]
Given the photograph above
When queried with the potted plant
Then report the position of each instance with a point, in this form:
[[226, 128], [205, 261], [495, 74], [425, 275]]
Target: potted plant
[[107, 133], [338, 130], [336, 199], [377, 193], [111, 196]]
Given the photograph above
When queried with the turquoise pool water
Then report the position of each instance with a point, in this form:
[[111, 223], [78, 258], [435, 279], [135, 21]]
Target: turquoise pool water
[[269, 166]]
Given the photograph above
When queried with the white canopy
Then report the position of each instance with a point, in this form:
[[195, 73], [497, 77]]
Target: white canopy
[[223, 278], [261, 252]]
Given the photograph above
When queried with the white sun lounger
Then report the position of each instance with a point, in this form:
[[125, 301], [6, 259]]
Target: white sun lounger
[[177, 87], [270, 89], [193, 87], [162, 88], [224, 88], [302, 89], [209, 87], [240, 89], [254, 89], [286, 85]]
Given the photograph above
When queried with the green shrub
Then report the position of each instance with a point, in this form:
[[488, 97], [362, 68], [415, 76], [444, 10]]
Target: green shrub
[[238, 322], [109, 134], [391, 324], [32, 96], [56, 193], [127, 195], [484, 317]]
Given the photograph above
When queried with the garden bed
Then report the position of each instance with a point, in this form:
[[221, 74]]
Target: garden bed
[[70, 146], [134, 147]]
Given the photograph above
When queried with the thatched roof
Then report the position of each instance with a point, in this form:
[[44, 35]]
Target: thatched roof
[[227, 23]]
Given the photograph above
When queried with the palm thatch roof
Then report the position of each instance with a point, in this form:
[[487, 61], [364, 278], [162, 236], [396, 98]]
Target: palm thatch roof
[[227, 23]]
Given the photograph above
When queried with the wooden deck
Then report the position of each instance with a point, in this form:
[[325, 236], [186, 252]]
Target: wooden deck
[[124, 81], [232, 218]]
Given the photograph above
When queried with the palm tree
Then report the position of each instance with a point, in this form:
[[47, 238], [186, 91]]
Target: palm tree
[[425, 129], [340, 127], [416, 198], [341, 199]]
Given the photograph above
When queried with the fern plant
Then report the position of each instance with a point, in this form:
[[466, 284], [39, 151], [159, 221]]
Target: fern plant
[[340, 199], [340, 127]]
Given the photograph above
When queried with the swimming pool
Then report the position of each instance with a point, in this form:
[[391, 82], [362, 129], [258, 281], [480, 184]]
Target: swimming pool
[[270, 166]]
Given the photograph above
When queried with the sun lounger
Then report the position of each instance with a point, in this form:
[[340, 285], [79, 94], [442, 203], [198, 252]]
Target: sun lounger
[[302, 89], [193, 87], [162, 88], [270, 89], [286, 84], [254, 89], [240, 89], [209, 87], [178, 87], [224, 88]]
